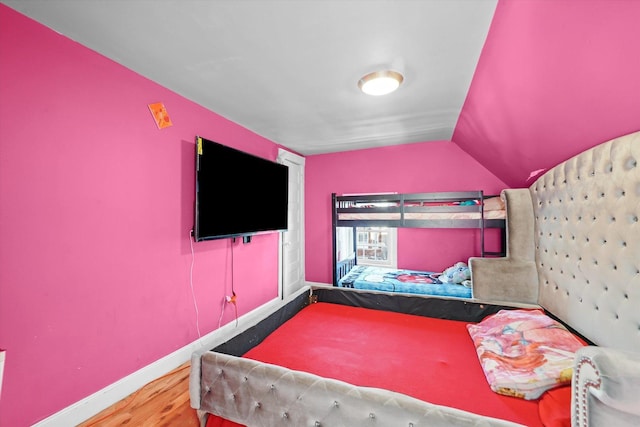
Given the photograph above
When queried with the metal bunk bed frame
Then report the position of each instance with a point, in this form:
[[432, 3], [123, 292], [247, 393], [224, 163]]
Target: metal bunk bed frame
[[400, 207]]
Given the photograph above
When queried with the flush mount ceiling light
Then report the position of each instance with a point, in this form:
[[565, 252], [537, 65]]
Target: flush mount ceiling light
[[380, 82]]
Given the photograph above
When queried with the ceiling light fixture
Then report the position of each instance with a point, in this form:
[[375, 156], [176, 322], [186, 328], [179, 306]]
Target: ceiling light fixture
[[380, 82]]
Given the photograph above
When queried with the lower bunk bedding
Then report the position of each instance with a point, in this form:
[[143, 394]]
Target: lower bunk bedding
[[376, 278], [433, 358]]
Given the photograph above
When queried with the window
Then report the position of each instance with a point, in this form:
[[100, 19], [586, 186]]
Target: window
[[377, 246]]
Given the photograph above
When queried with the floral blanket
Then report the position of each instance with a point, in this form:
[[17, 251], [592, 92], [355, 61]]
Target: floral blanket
[[524, 352]]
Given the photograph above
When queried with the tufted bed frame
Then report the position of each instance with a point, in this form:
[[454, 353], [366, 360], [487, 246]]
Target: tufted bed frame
[[573, 249]]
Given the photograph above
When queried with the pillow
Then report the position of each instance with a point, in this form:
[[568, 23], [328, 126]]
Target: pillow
[[524, 352], [457, 273], [555, 407], [494, 204]]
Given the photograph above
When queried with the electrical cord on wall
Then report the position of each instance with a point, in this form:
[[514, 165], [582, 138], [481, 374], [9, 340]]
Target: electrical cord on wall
[[221, 313], [226, 300], [193, 294], [229, 299], [233, 299], [233, 292]]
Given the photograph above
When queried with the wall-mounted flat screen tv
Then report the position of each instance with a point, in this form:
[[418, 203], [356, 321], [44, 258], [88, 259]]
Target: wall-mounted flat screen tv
[[237, 193]]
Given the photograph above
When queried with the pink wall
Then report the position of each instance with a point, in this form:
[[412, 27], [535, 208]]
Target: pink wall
[[411, 168], [96, 207], [96, 202], [554, 78]]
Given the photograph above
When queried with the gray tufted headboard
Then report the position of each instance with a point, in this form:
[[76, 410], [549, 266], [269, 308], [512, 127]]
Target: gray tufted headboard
[[574, 245]]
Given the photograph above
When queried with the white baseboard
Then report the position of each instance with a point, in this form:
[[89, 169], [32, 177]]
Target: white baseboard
[[113, 393]]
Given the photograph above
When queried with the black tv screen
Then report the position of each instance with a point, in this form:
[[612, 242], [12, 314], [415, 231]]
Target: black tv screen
[[237, 194]]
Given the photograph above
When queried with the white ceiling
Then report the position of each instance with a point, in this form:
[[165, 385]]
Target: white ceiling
[[287, 69]]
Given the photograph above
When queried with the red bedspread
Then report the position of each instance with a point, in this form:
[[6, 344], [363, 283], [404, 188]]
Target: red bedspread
[[430, 359]]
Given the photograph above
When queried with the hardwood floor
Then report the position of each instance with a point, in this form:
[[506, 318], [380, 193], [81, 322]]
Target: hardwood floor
[[163, 402]]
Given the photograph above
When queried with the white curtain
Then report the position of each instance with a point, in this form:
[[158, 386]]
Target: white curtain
[[344, 243]]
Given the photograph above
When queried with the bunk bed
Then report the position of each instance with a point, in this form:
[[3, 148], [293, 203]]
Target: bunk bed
[[461, 209]]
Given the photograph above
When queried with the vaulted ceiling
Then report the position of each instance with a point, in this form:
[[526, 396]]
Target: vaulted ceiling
[[519, 85]]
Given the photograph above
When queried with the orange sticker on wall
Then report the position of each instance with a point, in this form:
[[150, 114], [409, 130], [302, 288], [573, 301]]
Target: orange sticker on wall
[[160, 115]]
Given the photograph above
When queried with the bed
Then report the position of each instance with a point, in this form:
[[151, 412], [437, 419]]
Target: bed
[[572, 258], [461, 209], [401, 280], [297, 364]]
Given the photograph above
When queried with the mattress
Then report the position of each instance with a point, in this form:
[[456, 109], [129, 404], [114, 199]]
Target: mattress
[[401, 280], [426, 358]]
